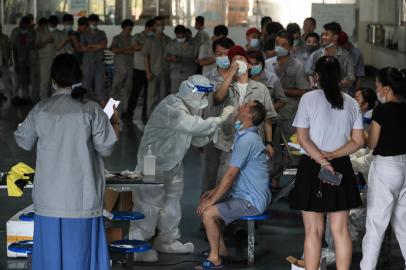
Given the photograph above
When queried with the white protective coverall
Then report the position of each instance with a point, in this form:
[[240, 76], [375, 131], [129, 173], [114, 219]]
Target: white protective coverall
[[173, 127]]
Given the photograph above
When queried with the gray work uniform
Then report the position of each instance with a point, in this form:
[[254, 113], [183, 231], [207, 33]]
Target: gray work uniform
[[94, 72], [22, 45], [271, 80], [343, 57], [71, 139], [201, 37], [154, 49], [206, 51], [359, 68], [68, 47], [46, 56], [292, 76], [123, 71], [185, 66], [5, 58], [303, 55], [255, 91]]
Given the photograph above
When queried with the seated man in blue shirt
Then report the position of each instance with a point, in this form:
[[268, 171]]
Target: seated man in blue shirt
[[247, 177]]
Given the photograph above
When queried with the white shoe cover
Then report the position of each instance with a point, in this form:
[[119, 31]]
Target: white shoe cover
[[148, 256], [174, 247]]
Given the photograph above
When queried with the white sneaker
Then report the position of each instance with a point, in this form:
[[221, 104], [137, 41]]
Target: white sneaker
[[174, 247], [148, 256], [139, 124]]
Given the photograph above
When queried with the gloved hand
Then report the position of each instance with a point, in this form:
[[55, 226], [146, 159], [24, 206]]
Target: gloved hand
[[227, 112]]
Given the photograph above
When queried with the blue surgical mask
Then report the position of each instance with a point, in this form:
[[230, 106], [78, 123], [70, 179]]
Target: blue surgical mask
[[238, 125], [254, 42], [223, 62], [255, 70], [150, 34], [297, 42], [280, 51]]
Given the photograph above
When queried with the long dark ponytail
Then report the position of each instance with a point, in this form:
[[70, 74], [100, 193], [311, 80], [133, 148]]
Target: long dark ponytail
[[328, 70], [66, 72]]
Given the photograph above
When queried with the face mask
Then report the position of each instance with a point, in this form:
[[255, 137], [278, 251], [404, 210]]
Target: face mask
[[51, 29], [181, 40], [311, 48], [93, 26], [68, 27], [204, 103], [280, 51], [159, 29], [331, 44], [24, 31], [254, 42], [150, 34], [242, 67], [380, 98], [223, 62], [238, 125], [296, 42], [255, 70]]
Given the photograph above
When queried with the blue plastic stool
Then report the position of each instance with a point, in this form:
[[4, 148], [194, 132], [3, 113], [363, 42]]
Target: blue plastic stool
[[126, 216], [23, 247], [29, 216], [251, 234], [129, 247]]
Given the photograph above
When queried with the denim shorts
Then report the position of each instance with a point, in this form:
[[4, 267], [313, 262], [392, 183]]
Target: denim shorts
[[234, 208]]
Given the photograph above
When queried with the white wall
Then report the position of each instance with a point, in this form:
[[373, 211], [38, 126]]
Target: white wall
[[374, 55]]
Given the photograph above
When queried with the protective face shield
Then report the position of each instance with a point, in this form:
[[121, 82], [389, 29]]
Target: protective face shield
[[280, 51], [223, 62], [254, 42], [255, 70], [194, 91], [242, 67], [181, 40]]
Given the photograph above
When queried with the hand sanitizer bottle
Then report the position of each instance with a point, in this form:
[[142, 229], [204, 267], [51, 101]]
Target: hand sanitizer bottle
[[149, 163]]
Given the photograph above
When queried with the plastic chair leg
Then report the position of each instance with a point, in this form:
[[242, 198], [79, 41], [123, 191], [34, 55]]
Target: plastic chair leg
[[251, 241]]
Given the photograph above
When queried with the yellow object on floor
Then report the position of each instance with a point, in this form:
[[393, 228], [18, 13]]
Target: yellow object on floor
[[19, 176]]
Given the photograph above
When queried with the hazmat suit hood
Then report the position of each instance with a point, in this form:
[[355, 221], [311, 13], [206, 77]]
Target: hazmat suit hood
[[194, 91]]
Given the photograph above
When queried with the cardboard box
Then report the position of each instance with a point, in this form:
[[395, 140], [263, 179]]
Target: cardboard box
[[18, 230], [117, 201], [299, 264]]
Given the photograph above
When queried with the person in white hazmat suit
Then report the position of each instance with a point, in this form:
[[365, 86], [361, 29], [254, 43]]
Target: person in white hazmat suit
[[174, 126]]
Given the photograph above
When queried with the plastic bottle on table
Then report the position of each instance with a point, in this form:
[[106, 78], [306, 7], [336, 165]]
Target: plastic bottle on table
[[149, 163]]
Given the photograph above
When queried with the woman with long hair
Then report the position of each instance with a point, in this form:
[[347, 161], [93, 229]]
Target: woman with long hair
[[329, 127]]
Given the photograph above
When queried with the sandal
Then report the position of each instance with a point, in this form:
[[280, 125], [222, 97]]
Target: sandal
[[206, 264]]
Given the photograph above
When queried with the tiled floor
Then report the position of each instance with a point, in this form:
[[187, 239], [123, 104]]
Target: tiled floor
[[277, 238]]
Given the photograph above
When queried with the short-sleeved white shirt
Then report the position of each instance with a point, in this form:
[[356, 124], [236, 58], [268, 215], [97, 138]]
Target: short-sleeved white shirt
[[329, 128]]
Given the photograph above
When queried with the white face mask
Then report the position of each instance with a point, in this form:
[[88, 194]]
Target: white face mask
[[51, 29], [242, 67], [181, 40], [68, 27], [93, 26], [380, 98]]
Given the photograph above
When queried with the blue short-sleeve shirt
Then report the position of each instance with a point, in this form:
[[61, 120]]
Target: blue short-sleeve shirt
[[249, 155]]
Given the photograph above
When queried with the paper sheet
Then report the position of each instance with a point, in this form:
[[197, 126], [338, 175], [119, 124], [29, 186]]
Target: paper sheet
[[109, 107]]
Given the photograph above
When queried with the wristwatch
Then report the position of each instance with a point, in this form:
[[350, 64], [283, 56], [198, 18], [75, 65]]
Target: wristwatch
[[269, 143]]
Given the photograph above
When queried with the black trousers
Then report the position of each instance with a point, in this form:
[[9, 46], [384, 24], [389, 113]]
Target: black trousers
[[140, 83]]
